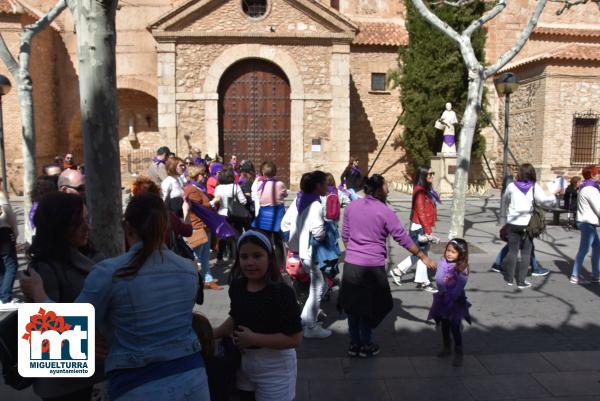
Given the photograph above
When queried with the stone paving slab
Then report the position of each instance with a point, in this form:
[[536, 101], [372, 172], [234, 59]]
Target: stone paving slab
[[428, 389], [378, 368], [499, 364], [353, 390], [570, 383], [574, 360], [503, 387]]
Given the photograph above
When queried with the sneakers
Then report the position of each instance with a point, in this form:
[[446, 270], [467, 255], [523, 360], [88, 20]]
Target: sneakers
[[367, 351], [495, 268], [353, 350], [13, 304], [596, 280], [429, 288], [540, 271], [396, 275], [509, 283], [525, 284], [576, 280], [317, 331]]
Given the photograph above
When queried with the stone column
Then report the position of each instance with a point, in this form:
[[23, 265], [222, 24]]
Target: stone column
[[167, 113], [211, 123], [340, 108]]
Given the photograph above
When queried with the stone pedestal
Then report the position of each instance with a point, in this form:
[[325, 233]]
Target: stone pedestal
[[444, 167]]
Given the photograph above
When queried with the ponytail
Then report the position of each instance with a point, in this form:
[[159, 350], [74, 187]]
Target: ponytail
[[147, 215]]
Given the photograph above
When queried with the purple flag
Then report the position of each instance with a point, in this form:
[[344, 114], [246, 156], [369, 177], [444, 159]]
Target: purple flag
[[218, 224]]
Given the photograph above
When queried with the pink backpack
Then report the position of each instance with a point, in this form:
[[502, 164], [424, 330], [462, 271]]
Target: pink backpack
[[332, 207]]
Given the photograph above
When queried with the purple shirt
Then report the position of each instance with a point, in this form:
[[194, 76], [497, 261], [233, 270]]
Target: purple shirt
[[367, 224]]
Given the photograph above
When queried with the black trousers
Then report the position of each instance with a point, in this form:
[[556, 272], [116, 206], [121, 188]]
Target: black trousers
[[517, 239], [451, 326]]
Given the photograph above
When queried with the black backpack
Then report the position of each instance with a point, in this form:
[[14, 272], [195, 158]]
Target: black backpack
[[537, 224], [9, 353]]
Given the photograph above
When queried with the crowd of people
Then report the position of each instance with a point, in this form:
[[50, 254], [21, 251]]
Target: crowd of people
[[185, 210]]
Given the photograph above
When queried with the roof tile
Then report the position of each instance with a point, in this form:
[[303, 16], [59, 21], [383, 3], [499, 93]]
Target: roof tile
[[380, 34], [561, 31], [571, 51]]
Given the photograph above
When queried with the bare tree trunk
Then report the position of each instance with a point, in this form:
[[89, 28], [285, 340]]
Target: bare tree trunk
[[96, 40], [20, 73], [465, 143]]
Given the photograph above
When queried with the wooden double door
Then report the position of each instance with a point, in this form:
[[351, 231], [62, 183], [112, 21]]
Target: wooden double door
[[254, 115]]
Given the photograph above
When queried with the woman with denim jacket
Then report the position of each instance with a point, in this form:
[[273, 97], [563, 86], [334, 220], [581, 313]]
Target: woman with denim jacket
[[422, 222], [143, 301]]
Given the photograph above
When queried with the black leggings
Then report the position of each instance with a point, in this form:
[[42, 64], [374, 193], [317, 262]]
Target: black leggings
[[454, 327]]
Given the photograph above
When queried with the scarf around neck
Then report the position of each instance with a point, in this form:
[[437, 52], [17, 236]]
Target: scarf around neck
[[589, 183], [263, 182], [305, 200], [197, 184], [157, 161], [524, 186], [331, 189]]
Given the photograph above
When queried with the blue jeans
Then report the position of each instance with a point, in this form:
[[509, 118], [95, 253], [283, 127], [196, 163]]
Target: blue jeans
[[7, 279], [589, 238], [360, 331], [188, 386], [203, 255]]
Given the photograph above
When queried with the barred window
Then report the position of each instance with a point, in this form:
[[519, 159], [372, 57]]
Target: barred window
[[378, 81], [584, 142], [254, 8]]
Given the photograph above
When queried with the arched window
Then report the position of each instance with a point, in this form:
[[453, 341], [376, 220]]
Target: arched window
[[254, 8]]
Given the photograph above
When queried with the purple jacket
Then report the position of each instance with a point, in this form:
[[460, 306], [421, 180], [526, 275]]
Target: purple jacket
[[367, 224]]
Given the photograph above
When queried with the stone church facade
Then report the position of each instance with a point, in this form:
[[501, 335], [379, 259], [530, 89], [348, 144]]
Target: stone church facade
[[300, 82]]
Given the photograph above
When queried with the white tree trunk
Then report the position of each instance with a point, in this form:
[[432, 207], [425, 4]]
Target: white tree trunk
[[96, 40], [465, 143]]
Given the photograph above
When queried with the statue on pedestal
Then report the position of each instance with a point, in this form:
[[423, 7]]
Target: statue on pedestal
[[447, 122]]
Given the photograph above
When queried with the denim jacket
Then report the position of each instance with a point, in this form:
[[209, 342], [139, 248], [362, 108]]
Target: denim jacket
[[147, 318]]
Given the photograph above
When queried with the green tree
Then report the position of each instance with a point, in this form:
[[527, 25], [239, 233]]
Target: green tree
[[431, 73]]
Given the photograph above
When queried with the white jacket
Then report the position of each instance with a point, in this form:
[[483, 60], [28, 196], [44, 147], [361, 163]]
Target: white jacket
[[588, 206], [300, 227], [519, 206]]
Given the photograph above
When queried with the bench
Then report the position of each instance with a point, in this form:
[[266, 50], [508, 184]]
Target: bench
[[556, 212]]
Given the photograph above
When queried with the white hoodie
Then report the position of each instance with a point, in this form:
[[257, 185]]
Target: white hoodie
[[301, 226], [588, 206]]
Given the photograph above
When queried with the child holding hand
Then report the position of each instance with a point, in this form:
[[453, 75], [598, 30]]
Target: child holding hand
[[450, 304], [265, 323]]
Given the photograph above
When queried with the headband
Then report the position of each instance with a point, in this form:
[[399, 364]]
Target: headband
[[459, 245], [260, 236]]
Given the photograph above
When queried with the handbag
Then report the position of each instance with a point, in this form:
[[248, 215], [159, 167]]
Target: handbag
[[439, 125], [236, 212], [9, 353], [537, 224], [198, 238]]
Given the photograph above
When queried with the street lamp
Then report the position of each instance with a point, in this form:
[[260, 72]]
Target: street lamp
[[506, 84], [5, 87]]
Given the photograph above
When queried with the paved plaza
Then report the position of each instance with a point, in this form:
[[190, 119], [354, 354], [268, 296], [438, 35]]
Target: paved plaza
[[539, 344]]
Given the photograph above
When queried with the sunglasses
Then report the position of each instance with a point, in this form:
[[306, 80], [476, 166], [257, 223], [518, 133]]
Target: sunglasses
[[431, 174]]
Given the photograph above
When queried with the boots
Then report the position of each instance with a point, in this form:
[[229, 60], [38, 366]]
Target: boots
[[446, 351], [458, 356]]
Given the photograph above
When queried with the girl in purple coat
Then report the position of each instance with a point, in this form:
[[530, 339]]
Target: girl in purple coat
[[450, 304]]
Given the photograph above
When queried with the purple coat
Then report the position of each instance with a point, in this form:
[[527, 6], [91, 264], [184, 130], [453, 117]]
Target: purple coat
[[450, 302]]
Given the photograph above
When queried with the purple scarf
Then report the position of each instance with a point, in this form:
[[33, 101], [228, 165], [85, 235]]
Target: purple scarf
[[197, 184], [449, 140], [34, 208], [589, 183], [242, 180], [524, 186], [331, 189], [198, 161], [218, 224], [263, 182], [435, 196], [355, 170], [157, 161], [215, 168], [305, 200]]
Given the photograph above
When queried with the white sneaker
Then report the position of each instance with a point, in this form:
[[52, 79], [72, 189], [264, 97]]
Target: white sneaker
[[13, 304], [430, 288], [395, 276], [526, 284], [317, 331]]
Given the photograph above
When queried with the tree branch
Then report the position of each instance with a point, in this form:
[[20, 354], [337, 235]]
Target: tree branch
[[31, 30], [458, 3], [436, 21], [8, 59], [567, 4], [491, 14], [506, 57]]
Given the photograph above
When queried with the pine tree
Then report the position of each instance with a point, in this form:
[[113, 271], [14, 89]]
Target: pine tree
[[432, 73]]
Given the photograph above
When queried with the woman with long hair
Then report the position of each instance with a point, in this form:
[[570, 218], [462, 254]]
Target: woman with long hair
[[61, 255], [172, 186], [518, 201], [352, 178], [588, 220], [365, 293], [143, 301], [423, 216]]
